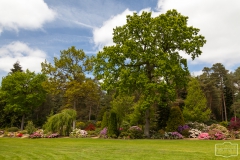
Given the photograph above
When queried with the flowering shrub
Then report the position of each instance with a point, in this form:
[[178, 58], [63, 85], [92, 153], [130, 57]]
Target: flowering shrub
[[194, 133], [19, 135], [218, 132], [90, 127], [103, 133], [135, 132], [53, 135], [204, 136], [184, 130], [173, 135], [77, 133], [36, 135], [1, 132], [199, 126], [234, 124]]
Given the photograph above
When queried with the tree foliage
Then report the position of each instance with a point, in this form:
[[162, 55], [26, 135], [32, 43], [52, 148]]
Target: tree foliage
[[195, 108], [146, 57], [175, 119], [67, 77], [61, 122], [23, 92], [112, 125]]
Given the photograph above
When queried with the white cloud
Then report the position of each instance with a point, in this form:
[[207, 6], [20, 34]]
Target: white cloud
[[29, 58], [26, 14], [103, 36], [218, 21]]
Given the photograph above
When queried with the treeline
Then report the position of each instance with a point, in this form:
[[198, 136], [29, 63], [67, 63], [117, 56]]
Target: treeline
[[143, 79]]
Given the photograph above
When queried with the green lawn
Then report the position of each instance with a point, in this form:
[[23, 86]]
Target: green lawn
[[108, 149]]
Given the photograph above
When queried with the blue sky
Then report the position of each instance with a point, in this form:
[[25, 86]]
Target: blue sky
[[34, 30]]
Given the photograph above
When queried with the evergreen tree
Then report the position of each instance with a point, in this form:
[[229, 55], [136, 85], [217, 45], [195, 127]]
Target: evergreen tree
[[175, 119], [112, 125], [16, 68], [195, 108]]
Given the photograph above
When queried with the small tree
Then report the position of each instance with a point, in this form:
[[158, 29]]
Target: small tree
[[195, 108], [61, 122], [175, 119], [112, 125], [104, 122]]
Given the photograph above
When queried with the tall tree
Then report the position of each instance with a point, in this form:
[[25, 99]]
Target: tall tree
[[195, 108], [23, 92], [16, 67], [67, 76], [219, 75], [146, 57]]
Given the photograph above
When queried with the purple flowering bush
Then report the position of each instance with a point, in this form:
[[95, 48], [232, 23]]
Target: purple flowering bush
[[184, 130], [173, 135], [103, 133]]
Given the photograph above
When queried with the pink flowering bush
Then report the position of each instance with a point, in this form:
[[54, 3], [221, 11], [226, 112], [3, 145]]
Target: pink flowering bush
[[203, 136]]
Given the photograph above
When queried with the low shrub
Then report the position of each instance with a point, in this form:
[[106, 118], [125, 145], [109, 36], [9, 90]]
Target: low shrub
[[30, 127], [1, 132], [218, 132], [199, 126], [194, 133], [103, 133], [184, 130], [12, 129], [98, 124], [35, 135], [90, 127], [135, 132], [224, 123], [203, 136], [173, 135], [78, 133], [80, 125], [234, 124]]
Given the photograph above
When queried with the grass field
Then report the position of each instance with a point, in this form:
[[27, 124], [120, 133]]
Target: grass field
[[108, 149]]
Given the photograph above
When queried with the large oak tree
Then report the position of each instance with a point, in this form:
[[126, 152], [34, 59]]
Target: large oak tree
[[145, 57]]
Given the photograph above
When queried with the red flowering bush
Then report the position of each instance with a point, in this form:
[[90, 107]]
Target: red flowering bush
[[19, 135], [90, 127], [234, 124]]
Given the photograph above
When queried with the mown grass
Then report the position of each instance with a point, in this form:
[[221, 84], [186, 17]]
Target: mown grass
[[108, 149]]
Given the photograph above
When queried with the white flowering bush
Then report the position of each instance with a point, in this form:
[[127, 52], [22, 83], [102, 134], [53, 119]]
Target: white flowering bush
[[78, 133], [194, 133]]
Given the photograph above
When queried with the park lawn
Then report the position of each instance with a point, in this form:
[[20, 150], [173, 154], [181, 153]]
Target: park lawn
[[108, 149]]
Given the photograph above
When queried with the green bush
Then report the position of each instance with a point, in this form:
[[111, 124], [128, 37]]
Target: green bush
[[80, 125], [30, 127], [135, 132], [12, 129], [224, 123], [175, 119], [104, 122], [98, 124], [112, 125]]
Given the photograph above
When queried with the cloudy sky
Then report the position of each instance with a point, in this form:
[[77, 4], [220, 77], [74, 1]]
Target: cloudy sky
[[34, 30]]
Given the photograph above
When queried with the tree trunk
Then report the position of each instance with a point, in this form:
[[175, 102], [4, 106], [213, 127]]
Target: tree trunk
[[225, 108], [90, 112], [22, 123], [74, 121], [147, 123]]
